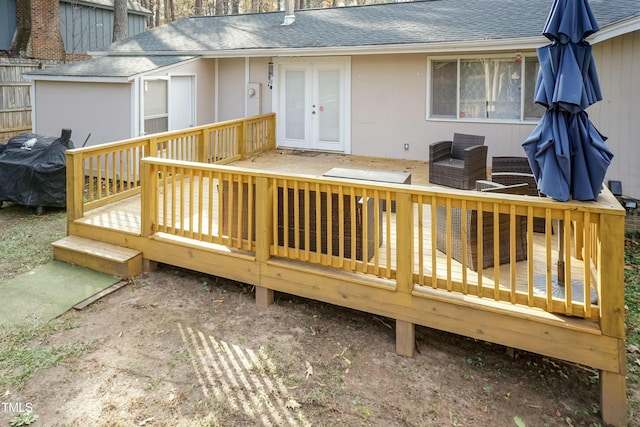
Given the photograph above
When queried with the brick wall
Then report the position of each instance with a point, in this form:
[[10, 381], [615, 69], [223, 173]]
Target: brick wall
[[38, 30]]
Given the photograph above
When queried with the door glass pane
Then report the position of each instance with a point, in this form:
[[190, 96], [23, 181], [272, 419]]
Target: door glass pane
[[155, 97], [328, 108], [295, 103], [155, 106]]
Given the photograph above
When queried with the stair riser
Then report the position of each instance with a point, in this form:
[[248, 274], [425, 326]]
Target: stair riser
[[124, 269]]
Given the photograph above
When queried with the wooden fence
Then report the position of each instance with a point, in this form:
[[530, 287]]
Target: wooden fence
[[15, 96]]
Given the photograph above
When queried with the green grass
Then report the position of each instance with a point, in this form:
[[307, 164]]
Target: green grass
[[26, 240], [23, 350], [632, 303]]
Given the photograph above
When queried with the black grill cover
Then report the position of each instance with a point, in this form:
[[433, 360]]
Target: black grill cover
[[33, 170]]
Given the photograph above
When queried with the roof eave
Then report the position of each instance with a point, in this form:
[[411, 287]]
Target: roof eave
[[441, 47], [618, 29], [72, 78]]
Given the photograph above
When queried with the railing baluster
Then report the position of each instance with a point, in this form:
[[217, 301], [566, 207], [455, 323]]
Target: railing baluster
[[496, 251], [530, 257]]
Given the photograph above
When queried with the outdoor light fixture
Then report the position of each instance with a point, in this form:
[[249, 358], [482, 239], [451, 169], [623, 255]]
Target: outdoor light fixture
[[615, 187], [270, 80], [630, 204]]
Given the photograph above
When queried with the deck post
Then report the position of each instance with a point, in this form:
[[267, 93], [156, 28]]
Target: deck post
[[75, 185], [610, 256], [240, 139], [148, 198], [405, 331], [272, 132], [264, 235], [203, 145]]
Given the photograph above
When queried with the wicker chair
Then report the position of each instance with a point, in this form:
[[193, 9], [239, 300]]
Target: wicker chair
[[458, 163], [507, 170], [471, 218]]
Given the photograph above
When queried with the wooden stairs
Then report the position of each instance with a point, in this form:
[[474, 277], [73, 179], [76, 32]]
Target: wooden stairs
[[99, 256]]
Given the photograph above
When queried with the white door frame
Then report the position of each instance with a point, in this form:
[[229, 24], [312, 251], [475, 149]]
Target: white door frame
[[278, 104], [173, 98]]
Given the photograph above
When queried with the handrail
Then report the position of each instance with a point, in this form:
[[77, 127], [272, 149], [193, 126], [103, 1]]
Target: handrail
[[340, 224], [100, 174]]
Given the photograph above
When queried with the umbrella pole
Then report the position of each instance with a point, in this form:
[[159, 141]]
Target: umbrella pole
[[561, 252]]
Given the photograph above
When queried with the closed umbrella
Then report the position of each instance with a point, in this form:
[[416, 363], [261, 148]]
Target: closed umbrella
[[566, 152]]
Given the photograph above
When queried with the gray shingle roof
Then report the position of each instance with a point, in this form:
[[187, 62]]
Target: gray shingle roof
[[112, 66], [431, 21]]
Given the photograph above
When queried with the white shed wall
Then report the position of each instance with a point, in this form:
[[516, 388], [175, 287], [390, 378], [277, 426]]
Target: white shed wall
[[100, 109]]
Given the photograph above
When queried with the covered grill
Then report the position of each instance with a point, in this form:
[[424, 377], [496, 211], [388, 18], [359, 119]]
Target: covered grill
[[33, 170]]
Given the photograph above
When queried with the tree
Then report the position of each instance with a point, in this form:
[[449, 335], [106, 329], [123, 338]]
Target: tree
[[120, 20]]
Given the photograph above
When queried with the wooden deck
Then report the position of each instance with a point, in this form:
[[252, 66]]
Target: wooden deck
[[170, 197], [125, 215]]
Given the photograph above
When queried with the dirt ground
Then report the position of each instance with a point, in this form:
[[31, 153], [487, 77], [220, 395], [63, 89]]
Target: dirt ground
[[179, 348]]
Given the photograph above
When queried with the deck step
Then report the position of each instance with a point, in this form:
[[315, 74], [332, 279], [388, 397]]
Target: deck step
[[103, 257]]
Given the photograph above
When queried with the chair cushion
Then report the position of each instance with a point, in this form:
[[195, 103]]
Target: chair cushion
[[452, 163]]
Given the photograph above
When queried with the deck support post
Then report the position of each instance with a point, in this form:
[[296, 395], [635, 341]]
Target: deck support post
[[613, 392], [149, 265], [405, 338], [610, 259], [405, 331], [264, 235], [74, 186], [264, 297]]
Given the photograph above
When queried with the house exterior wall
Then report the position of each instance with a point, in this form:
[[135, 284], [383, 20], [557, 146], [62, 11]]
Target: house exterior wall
[[616, 116], [204, 70], [85, 28], [389, 109], [100, 109], [7, 23], [231, 88], [389, 96]]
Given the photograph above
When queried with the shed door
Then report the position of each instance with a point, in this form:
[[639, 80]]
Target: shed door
[[181, 102], [167, 104]]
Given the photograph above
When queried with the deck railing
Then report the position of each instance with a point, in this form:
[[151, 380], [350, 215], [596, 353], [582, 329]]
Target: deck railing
[[404, 234], [101, 174]]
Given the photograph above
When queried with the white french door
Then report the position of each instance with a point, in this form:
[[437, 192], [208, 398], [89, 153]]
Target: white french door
[[313, 101]]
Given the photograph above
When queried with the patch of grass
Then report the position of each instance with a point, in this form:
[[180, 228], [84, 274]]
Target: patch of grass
[[632, 301], [632, 309], [23, 352], [27, 238]]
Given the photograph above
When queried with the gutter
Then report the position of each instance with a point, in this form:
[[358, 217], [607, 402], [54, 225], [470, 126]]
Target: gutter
[[478, 46]]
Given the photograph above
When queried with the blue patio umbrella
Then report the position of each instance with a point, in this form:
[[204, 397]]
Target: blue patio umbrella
[[566, 152]]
